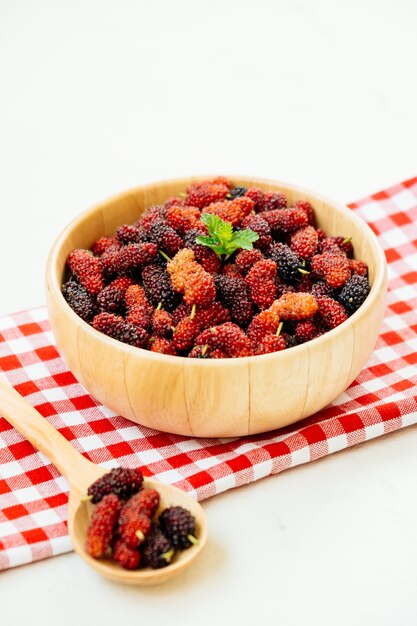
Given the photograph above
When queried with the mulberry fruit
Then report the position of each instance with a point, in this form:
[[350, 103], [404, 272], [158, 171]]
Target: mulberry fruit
[[162, 345], [136, 297], [146, 501], [202, 194], [354, 292], [158, 288], [80, 301], [134, 256], [109, 259], [260, 226], [332, 244], [334, 268], [165, 238], [87, 269], [358, 267], [102, 244], [331, 312], [126, 557], [233, 211], [182, 218], [233, 271], [133, 525], [261, 282], [305, 331], [161, 323], [228, 338], [102, 524], [184, 334], [116, 327], [236, 192], [265, 322], [128, 233], [232, 293], [246, 258], [305, 242], [306, 206], [188, 277], [154, 214], [322, 289], [157, 551], [295, 306], [287, 261], [182, 310], [283, 221], [179, 526], [266, 200], [203, 255], [270, 343], [112, 297], [121, 481]]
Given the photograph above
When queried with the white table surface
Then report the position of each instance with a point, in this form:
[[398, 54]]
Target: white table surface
[[99, 96]]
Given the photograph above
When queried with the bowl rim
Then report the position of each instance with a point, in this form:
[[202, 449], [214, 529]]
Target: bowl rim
[[51, 277]]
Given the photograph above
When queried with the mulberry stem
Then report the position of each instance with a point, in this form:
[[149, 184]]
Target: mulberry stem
[[166, 257], [193, 539]]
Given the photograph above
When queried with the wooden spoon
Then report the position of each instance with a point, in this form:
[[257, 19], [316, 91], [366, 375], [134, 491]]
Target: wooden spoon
[[80, 473]]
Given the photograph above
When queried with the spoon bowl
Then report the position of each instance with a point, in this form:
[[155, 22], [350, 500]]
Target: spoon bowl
[[81, 511], [81, 473]]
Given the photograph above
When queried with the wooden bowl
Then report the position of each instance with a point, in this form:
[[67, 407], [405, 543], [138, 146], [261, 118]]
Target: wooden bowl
[[219, 398]]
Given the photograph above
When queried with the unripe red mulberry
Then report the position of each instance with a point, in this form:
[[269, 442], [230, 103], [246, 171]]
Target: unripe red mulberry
[[189, 278]]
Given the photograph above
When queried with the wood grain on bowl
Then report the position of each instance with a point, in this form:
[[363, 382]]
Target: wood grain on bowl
[[225, 397]]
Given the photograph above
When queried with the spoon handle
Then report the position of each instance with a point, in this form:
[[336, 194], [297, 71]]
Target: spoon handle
[[77, 470]]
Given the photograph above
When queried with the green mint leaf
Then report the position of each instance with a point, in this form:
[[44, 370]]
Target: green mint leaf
[[244, 239], [207, 241], [217, 227], [222, 239]]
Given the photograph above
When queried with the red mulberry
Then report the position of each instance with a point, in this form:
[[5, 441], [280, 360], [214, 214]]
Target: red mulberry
[[227, 337], [116, 327], [266, 200], [260, 226], [285, 221], [188, 277], [126, 557], [305, 242], [331, 312], [334, 268], [295, 306], [261, 282], [202, 194], [87, 269], [233, 211], [102, 524]]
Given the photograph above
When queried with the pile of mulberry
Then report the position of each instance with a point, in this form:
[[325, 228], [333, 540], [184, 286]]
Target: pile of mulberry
[[125, 523], [219, 271]]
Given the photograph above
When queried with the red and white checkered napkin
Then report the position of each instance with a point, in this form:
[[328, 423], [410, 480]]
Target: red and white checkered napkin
[[33, 496]]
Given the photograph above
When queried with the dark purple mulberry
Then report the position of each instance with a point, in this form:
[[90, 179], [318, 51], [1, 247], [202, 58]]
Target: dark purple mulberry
[[80, 301], [121, 481], [233, 294], [179, 526], [157, 550], [354, 292], [158, 288]]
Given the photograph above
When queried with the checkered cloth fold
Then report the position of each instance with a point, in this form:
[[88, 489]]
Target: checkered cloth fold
[[33, 495]]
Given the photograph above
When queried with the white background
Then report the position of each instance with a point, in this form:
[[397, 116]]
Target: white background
[[99, 96]]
